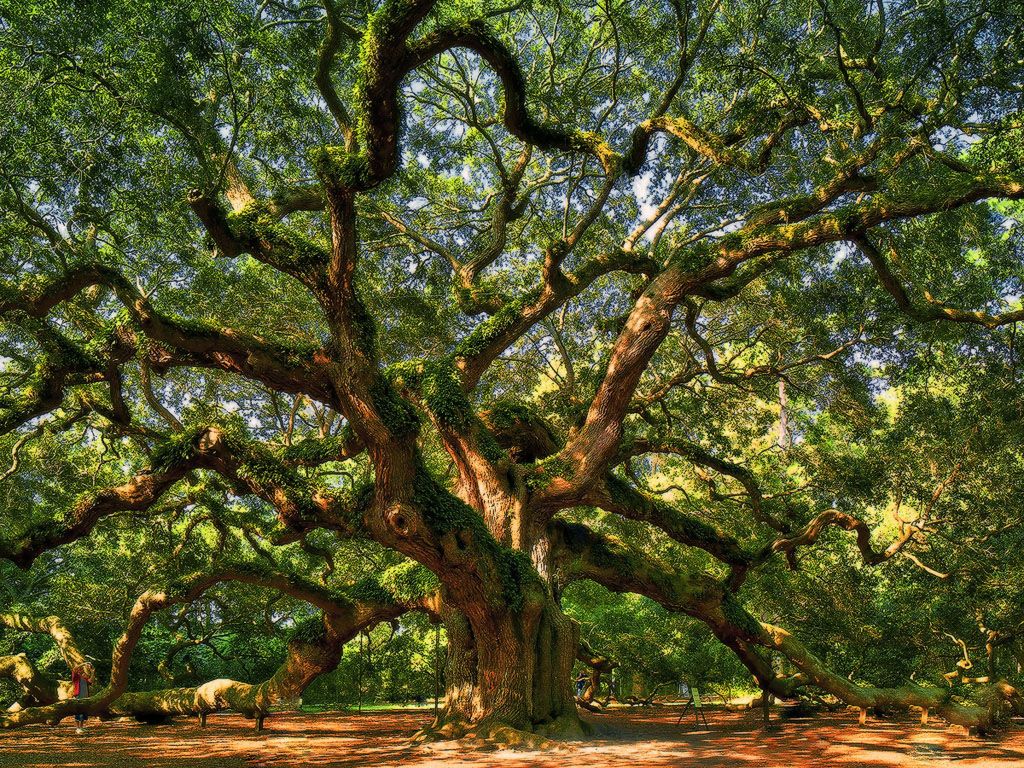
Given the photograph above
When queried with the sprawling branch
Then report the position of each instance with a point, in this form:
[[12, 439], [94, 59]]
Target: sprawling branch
[[138, 493], [256, 229], [147, 604], [998, 700], [809, 535], [713, 147], [933, 310], [289, 370], [37, 687], [49, 625], [699, 456], [618, 496], [315, 648], [250, 466], [58, 366], [585, 554], [589, 451], [388, 55]]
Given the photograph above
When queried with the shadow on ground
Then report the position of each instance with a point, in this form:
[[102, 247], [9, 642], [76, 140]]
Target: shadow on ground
[[638, 738]]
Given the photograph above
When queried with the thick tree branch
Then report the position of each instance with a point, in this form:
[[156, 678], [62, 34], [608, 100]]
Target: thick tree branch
[[313, 650], [933, 310], [590, 449], [618, 496], [250, 466], [584, 554], [138, 493], [323, 79], [291, 370], [48, 625]]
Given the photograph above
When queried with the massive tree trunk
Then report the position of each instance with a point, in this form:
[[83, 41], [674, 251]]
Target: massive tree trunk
[[510, 647], [508, 679]]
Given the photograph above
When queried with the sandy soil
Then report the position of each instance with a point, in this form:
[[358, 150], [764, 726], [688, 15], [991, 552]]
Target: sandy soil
[[635, 738]]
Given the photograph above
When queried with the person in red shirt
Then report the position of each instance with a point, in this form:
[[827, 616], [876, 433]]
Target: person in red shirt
[[81, 680]]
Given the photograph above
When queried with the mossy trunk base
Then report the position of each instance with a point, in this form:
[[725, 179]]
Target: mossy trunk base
[[509, 685]]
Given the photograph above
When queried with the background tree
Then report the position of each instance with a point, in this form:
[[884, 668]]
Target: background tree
[[504, 297]]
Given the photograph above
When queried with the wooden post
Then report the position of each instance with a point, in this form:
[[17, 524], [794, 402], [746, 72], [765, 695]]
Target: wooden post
[[863, 715], [359, 684], [437, 672], [924, 715]]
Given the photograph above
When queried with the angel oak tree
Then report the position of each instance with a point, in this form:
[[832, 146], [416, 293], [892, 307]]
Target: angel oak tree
[[402, 218]]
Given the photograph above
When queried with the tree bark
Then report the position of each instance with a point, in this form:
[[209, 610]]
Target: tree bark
[[508, 680], [38, 688]]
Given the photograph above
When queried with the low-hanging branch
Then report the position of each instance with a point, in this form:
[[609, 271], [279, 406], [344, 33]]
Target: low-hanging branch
[[147, 604], [584, 554], [52, 626], [37, 686], [315, 648]]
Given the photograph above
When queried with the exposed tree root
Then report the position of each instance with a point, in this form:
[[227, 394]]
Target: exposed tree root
[[496, 735]]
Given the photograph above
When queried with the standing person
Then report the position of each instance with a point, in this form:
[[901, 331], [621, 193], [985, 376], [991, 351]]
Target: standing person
[[81, 679], [581, 684]]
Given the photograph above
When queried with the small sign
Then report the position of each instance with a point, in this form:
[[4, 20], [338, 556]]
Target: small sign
[[697, 705]]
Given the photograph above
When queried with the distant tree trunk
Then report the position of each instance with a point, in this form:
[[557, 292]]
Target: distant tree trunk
[[783, 416]]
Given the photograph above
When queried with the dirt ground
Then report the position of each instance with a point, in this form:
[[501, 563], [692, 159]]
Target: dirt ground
[[636, 738]]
